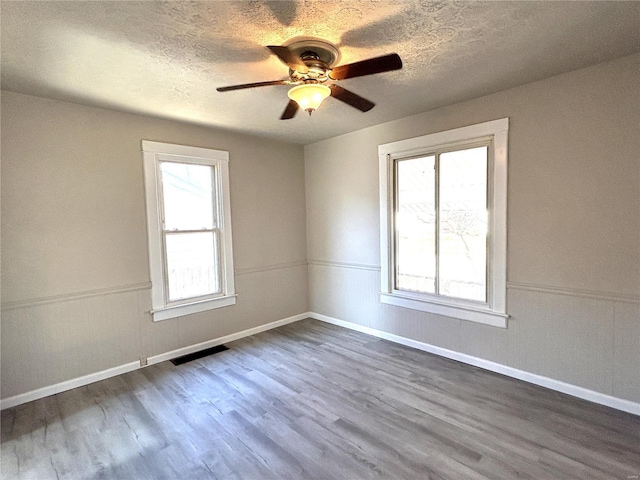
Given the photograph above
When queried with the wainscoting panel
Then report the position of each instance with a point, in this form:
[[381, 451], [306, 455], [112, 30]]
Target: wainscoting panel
[[52, 342], [56, 343], [568, 338], [626, 351], [590, 341]]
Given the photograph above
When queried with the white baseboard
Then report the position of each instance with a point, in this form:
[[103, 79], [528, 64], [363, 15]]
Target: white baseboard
[[557, 385], [67, 385], [227, 338], [129, 367], [586, 394]]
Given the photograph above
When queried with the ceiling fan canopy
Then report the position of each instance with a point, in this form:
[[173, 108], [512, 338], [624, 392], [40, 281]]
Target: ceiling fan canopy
[[311, 65]]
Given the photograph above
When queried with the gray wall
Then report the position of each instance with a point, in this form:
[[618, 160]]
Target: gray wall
[[573, 229], [75, 290], [75, 275]]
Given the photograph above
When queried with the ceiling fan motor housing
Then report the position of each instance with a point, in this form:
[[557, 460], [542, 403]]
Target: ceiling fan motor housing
[[317, 69]]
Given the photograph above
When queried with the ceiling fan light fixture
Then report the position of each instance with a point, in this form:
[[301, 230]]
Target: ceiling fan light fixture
[[311, 64], [309, 96]]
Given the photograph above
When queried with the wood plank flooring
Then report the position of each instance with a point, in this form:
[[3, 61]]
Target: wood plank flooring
[[315, 401]]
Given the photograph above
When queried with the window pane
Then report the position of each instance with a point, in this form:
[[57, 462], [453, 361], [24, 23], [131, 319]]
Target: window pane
[[463, 224], [415, 225], [187, 191], [192, 265]]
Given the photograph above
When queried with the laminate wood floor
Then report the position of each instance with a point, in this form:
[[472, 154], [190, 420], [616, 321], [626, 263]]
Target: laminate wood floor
[[315, 401]]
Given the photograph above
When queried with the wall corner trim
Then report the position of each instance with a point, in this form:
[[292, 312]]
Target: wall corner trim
[[129, 367], [557, 385]]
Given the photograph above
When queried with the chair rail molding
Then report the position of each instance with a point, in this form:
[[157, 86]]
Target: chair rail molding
[[574, 292], [66, 297]]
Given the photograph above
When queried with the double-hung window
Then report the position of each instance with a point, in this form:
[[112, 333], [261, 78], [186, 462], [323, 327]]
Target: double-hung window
[[443, 222], [189, 229]]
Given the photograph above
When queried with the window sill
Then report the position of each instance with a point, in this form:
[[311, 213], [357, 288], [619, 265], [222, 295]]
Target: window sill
[[462, 312], [173, 311]]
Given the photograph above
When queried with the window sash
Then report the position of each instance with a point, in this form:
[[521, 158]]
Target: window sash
[[216, 248], [436, 153], [164, 201], [215, 230], [396, 212]]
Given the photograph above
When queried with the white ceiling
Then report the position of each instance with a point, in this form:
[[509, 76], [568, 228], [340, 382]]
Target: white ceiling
[[165, 59]]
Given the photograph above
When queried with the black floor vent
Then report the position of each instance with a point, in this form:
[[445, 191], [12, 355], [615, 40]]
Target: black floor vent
[[202, 353]]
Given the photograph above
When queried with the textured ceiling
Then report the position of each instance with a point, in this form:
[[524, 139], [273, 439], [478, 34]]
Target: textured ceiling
[[166, 58]]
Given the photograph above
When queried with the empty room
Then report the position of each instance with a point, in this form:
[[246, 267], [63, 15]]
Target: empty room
[[307, 239]]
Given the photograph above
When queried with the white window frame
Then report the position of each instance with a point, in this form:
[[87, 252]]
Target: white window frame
[[153, 153], [493, 312]]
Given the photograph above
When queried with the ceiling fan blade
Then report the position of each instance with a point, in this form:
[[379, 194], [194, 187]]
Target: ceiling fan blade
[[350, 98], [252, 85], [385, 63], [289, 58], [290, 110]]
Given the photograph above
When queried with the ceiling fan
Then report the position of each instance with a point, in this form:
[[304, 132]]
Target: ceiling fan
[[310, 63]]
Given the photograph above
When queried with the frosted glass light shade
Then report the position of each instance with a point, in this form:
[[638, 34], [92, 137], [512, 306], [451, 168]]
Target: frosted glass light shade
[[309, 96]]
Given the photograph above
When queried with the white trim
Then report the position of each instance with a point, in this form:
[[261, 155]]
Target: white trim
[[129, 367], [154, 226], [183, 150], [173, 311], [227, 338], [67, 385], [66, 297], [416, 144], [574, 292], [226, 243], [468, 313], [557, 385], [386, 221], [495, 132]]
